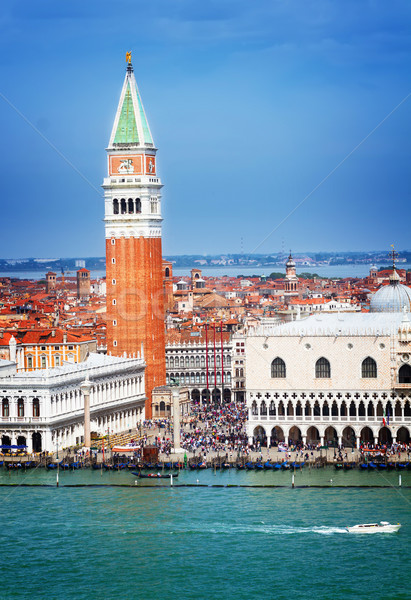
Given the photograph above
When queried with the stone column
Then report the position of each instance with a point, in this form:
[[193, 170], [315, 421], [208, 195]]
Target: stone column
[[85, 388], [175, 398]]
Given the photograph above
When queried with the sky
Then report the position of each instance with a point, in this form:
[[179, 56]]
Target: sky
[[279, 124]]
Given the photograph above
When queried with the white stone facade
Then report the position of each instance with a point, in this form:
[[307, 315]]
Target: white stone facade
[[45, 409], [186, 362], [344, 402]]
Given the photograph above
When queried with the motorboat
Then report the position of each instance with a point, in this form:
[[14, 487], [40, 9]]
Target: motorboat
[[382, 527]]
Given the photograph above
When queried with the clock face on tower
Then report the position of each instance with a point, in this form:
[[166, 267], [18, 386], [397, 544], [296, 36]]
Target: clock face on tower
[[125, 165]]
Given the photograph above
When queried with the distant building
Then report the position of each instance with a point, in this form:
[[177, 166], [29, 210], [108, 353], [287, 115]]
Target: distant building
[[34, 349], [162, 402], [191, 355], [83, 284], [50, 281]]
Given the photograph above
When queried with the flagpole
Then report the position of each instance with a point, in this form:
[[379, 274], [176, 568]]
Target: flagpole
[[222, 364], [206, 336], [215, 364]]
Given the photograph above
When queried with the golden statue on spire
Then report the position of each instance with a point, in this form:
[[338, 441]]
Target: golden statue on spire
[[128, 58]]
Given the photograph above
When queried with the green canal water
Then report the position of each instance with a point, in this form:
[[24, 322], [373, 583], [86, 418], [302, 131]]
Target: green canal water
[[201, 542]]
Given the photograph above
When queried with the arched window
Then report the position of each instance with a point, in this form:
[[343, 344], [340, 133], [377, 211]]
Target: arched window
[[404, 374], [43, 362], [187, 361], [177, 361], [36, 407], [167, 272], [138, 205], [191, 361], [263, 408], [123, 206], [197, 361], [203, 361], [369, 367], [130, 204], [29, 362], [322, 368], [171, 362], [20, 407], [115, 206], [162, 406], [254, 408], [278, 368], [5, 407]]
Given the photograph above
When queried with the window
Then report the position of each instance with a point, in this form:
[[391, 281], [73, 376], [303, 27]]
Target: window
[[123, 205], [56, 347], [5, 407], [43, 362], [404, 374], [113, 281], [113, 261], [114, 343], [43, 348], [113, 241], [114, 302], [114, 323], [130, 204], [20, 407], [369, 368], [115, 206], [57, 361], [71, 347], [36, 407], [29, 362], [138, 205], [278, 368], [322, 369]]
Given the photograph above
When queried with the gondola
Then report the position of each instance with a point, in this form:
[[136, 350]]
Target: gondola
[[240, 466], [339, 466], [249, 466], [268, 466], [402, 466], [225, 465], [259, 467], [372, 466], [52, 466], [154, 475], [296, 465], [364, 466], [285, 466], [349, 466], [382, 467]]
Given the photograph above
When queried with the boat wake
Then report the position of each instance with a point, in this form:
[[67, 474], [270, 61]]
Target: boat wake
[[262, 528]]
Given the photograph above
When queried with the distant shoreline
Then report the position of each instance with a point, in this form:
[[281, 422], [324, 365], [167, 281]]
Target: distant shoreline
[[326, 271]]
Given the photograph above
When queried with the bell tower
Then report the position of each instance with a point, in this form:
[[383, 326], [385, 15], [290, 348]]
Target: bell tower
[[134, 273]]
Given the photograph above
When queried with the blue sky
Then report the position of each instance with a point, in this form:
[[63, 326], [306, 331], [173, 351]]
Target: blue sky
[[251, 104]]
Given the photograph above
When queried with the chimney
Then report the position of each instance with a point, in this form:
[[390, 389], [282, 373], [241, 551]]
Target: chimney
[[65, 337], [53, 333]]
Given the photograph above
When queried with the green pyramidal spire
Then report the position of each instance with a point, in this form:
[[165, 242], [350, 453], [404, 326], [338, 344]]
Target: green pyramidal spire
[[131, 125], [127, 127]]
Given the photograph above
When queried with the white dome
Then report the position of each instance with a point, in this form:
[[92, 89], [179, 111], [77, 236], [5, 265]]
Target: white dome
[[391, 298]]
